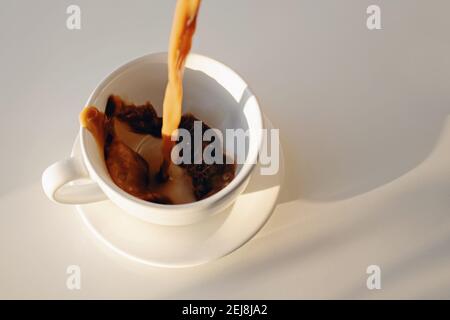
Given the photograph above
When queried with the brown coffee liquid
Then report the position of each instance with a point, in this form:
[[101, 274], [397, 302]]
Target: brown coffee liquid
[[94, 120], [183, 29]]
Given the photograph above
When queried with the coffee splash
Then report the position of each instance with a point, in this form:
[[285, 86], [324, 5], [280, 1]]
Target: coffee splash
[[130, 140]]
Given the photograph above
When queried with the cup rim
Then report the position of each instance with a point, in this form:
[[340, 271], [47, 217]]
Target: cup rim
[[241, 177]]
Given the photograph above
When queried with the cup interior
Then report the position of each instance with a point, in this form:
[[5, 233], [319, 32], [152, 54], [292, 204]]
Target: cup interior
[[212, 92]]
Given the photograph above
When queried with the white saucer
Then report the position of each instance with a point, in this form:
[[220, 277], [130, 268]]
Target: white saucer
[[184, 246]]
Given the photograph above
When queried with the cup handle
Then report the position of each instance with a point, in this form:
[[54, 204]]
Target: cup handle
[[56, 181]]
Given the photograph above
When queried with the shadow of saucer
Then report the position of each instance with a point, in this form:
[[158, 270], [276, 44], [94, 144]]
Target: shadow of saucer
[[368, 155], [302, 235]]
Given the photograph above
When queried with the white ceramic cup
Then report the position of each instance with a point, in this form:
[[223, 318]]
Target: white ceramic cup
[[212, 92]]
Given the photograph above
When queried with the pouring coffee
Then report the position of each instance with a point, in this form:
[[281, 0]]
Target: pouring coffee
[[150, 174]]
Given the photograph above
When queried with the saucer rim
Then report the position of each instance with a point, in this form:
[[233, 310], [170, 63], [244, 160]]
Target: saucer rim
[[210, 258]]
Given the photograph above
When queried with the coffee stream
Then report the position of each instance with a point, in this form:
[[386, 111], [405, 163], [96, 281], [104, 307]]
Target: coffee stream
[[183, 29], [123, 127]]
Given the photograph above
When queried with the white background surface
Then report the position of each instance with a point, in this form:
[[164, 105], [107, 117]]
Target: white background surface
[[362, 116]]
